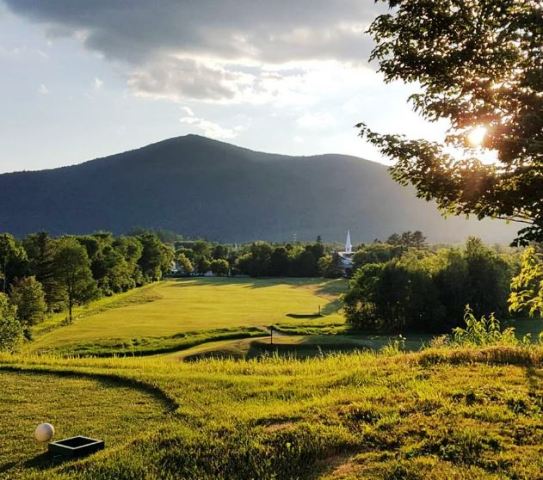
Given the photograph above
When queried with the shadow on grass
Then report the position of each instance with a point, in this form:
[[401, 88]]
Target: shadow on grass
[[332, 287], [260, 282], [45, 460]]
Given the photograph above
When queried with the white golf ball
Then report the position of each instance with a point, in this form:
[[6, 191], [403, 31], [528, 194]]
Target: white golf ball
[[44, 432]]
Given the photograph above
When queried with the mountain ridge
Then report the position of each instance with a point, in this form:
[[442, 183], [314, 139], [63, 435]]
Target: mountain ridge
[[203, 187]]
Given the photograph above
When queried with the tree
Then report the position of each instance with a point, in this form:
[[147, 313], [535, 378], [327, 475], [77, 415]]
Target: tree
[[13, 260], [40, 248], [203, 265], [376, 253], [72, 269], [408, 239], [305, 264], [219, 251], [184, 263], [257, 261], [489, 279], [479, 65], [11, 332], [219, 267], [152, 260], [28, 296], [427, 291], [329, 266], [279, 262], [527, 285], [131, 249]]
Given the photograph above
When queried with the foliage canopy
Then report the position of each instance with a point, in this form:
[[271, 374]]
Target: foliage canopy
[[479, 64]]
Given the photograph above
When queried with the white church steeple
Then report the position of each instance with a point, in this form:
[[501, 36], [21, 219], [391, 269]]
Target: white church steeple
[[348, 245]]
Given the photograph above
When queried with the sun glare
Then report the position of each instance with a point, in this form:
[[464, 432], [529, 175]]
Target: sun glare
[[477, 135]]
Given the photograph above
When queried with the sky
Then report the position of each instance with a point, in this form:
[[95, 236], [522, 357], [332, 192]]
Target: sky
[[81, 80]]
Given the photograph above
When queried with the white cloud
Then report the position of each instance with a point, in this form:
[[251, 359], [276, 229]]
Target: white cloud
[[43, 90], [188, 111], [177, 79], [98, 83], [211, 129]]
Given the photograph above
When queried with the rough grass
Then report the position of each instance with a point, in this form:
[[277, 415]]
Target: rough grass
[[440, 413], [151, 319]]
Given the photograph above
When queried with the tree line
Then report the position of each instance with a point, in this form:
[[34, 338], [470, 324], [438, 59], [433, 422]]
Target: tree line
[[427, 289], [256, 259], [41, 274]]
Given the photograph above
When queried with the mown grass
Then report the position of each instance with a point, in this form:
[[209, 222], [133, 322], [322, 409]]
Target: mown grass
[[153, 319], [94, 406], [440, 413]]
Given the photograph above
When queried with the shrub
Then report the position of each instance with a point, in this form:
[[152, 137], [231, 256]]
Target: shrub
[[483, 332]]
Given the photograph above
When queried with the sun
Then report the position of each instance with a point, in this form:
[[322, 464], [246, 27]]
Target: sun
[[477, 135]]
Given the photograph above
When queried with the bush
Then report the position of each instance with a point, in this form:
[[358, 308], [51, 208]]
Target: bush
[[483, 332]]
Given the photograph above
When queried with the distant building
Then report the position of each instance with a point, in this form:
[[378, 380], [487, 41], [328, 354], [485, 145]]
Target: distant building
[[346, 257]]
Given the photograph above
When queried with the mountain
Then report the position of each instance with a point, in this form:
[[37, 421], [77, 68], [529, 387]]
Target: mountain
[[202, 187]]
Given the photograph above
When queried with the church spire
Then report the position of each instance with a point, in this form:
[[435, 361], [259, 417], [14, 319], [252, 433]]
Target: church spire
[[348, 245]]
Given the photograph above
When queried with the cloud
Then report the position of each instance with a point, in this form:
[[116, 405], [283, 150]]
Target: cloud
[[177, 79], [207, 50], [211, 129], [43, 90], [98, 83]]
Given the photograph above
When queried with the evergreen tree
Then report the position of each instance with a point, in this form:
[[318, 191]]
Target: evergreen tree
[[13, 260], [40, 248], [28, 296]]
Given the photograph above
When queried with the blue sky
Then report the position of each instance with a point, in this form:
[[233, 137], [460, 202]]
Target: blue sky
[[87, 79]]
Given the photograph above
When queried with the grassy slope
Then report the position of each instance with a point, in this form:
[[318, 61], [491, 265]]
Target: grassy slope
[[170, 308], [435, 414]]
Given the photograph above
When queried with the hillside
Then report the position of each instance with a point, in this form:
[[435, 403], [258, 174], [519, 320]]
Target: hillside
[[201, 187]]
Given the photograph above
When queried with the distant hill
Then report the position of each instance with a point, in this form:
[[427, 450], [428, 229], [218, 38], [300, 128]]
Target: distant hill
[[202, 187]]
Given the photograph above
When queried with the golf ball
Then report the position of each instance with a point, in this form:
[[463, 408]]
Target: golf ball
[[44, 432]]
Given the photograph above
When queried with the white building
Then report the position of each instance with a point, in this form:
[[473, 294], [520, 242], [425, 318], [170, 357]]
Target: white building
[[346, 257]]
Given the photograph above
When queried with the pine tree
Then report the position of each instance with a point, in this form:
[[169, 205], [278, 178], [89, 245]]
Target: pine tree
[[28, 296]]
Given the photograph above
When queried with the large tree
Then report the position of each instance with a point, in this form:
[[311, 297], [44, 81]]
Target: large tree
[[72, 268], [478, 64], [156, 258], [40, 248]]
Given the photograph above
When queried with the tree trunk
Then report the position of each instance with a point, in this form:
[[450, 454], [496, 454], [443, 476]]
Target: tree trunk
[[70, 306]]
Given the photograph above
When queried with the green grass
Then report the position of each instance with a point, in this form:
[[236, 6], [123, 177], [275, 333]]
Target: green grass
[[441, 413], [153, 319], [97, 407], [266, 412]]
